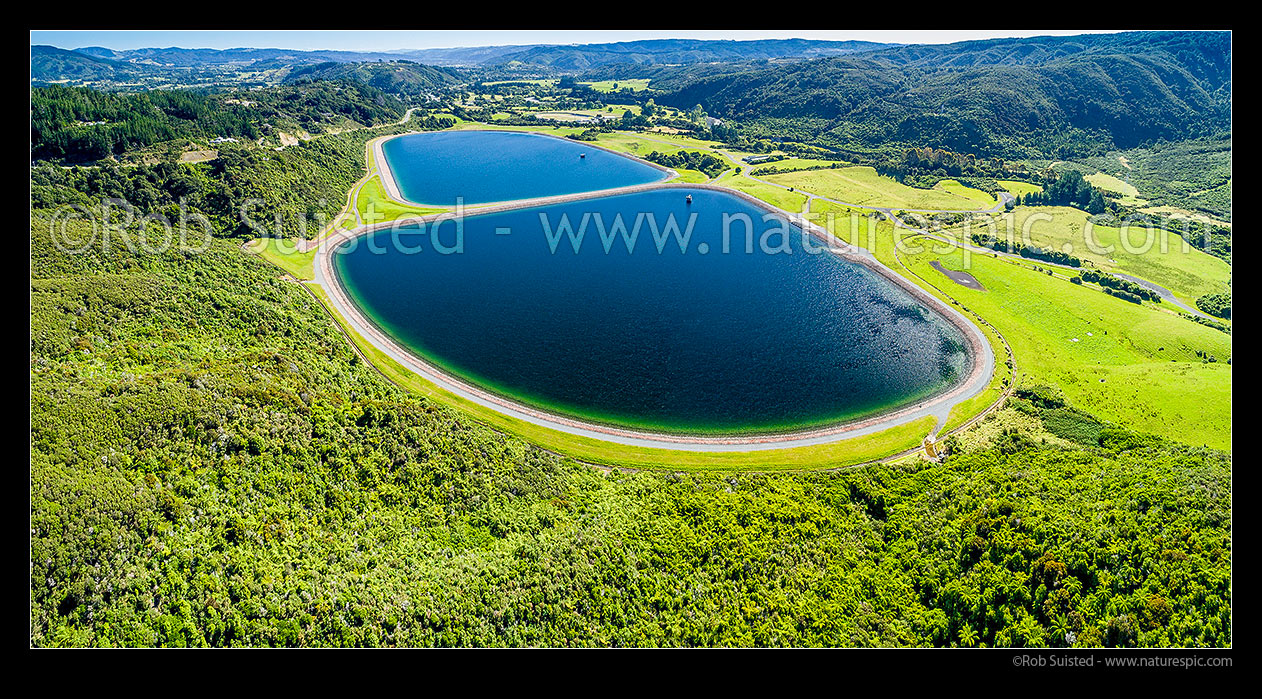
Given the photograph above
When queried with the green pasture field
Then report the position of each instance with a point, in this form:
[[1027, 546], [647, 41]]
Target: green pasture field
[[782, 199], [1134, 365], [959, 189], [1130, 195], [1185, 214], [1146, 355], [862, 185], [1158, 256], [633, 84], [1018, 188]]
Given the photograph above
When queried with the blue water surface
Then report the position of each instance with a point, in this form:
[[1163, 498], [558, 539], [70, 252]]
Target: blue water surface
[[672, 340], [493, 166]]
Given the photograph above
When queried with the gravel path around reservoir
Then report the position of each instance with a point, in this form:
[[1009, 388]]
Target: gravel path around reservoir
[[939, 406]]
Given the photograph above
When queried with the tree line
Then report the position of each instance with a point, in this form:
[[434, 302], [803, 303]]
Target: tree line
[[1032, 252], [1069, 189], [80, 124], [710, 164], [1124, 289]]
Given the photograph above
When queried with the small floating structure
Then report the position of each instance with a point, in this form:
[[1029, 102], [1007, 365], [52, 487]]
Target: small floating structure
[[582, 155], [689, 199]]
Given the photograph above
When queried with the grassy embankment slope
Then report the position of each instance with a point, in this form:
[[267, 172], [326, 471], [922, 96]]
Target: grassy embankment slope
[[284, 254], [846, 452], [595, 451]]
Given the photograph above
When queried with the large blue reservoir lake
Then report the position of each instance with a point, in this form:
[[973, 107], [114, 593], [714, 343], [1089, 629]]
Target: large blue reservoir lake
[[677, 341], [494, 166]]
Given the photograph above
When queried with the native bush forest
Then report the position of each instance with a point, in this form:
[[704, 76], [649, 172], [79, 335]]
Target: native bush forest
[[215, 462]]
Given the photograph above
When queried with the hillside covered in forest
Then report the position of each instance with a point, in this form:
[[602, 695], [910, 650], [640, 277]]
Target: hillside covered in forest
[[81, 124], [1050, 96], [395, 77]]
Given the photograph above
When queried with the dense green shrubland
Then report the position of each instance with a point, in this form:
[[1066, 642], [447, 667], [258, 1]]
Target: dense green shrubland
[[301, 185], [1032, 252], [710, 164], [1215, 305], [401, 77], [212, 465], [1054, 96], [1193, 174], [80, 124]]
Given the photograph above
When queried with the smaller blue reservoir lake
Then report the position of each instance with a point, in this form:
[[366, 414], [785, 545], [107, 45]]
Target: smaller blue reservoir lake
[[677, 341], [493, 166]]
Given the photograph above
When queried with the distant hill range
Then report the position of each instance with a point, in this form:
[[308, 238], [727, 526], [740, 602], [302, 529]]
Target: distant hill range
[[1041, 96], [186, 58], [682, 51], [396, 77], [51, 64]]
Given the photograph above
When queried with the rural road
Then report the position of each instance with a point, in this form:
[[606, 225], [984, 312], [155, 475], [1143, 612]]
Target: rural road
[[1165, 294]]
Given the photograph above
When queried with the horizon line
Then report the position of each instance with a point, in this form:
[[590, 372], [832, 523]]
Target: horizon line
[[59, 39]]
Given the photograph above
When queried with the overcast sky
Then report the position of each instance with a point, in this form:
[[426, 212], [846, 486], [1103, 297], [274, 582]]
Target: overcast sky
[[360, 40]]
